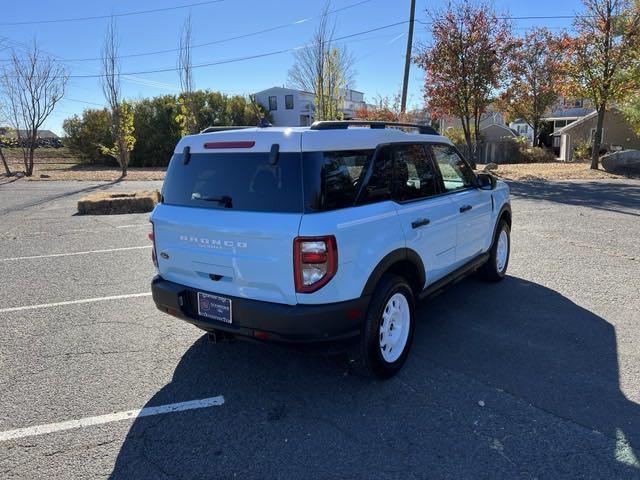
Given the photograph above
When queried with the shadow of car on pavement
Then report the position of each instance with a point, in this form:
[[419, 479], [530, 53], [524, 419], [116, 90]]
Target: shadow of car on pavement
[[546, 368], [613, 196]]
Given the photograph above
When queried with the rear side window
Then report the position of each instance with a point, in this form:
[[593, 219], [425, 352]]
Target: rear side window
[[238, 181], [415, 176], [378, 185], [332, 179]]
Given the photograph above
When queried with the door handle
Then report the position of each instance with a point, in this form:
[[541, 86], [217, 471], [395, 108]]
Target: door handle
[[465, 208], [420, 222]]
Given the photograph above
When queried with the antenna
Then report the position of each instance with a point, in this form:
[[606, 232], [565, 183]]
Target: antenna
[[262, 121]]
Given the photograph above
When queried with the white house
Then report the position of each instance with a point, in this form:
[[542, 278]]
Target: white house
[[350, 102], [522, 128], [289, 107]]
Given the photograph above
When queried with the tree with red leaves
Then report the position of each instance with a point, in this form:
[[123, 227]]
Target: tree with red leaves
[[387, 109], [534, 70], [384, 109], [602, 59], [464, 64]]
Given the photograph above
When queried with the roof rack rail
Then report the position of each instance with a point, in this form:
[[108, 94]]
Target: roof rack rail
[[225, 128], [344, 124]]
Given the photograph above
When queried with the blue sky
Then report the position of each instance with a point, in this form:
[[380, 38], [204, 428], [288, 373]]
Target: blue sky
[[379, 55]]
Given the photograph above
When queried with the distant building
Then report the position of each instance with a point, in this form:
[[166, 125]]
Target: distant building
[[522, 129], [486, 119], [290, 107], [495, 132], [43, 134], [617, 134]]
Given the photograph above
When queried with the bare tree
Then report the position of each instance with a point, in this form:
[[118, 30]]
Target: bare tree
[[4, 139], [323, 68], [31, 86], [187, 117], [4, 160], [121, 112]]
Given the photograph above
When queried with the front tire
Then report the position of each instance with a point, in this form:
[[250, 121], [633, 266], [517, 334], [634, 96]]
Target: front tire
[[388, 330], [496, 267]]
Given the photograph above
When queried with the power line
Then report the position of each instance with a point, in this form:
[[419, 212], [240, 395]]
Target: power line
[[249, 57], [223, 40], [100, 17], [84, 101]]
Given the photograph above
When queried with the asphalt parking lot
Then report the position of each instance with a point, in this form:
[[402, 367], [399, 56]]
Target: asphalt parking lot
[[535, 377]]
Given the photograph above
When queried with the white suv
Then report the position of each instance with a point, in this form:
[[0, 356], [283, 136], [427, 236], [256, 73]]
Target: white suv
[[322, 233]]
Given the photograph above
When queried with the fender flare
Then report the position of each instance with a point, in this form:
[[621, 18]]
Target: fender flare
[[393, 257], [506, 208]]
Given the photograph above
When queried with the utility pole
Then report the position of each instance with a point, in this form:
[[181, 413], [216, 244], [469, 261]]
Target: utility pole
[[407, 61]]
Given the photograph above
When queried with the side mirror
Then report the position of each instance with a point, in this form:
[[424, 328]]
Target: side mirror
[[485, 181]]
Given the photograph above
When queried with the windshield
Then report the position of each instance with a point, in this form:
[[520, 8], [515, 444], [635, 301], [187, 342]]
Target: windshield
[[238, 181]]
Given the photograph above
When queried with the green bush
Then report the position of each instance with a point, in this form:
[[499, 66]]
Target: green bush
[[582, 151], [84, 135], [536, 155], [156, 128], [156, 131]]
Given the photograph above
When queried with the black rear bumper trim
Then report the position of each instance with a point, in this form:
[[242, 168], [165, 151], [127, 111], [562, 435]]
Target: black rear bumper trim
[[273, 321]]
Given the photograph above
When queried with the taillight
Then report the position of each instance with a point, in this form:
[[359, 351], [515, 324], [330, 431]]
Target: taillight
[[152, 238], [315, 262]]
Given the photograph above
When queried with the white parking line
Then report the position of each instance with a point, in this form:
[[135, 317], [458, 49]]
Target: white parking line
[[73, 302], [133, 225], [74, 253], [111, 417]]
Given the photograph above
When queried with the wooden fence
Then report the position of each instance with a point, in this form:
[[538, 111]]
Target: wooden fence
[[494, 152]]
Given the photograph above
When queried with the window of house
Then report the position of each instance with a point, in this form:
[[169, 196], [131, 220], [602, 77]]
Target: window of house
[[288, 102], [456, 173], [273, 103], [414, 174]]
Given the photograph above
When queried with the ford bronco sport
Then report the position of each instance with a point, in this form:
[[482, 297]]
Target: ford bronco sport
[[322, 233]]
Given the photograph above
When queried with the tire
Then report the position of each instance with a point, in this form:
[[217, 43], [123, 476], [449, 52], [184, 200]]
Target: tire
[[375, 355], [496, 267]]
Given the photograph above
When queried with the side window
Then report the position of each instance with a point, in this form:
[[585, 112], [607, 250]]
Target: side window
[[456, 173], [340, 177], [414, 174], [273, 103], [288, 102], [378, 187]]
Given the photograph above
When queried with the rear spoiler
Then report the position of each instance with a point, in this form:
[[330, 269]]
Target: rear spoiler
[[224, 129]]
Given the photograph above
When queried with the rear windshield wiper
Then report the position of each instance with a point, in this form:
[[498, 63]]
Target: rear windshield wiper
[[224, 199]]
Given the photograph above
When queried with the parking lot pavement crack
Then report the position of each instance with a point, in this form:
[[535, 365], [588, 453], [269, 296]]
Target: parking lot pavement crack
[[520, 398]]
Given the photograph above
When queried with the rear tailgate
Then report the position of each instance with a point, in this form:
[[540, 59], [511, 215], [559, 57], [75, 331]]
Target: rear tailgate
[[242, 254], [229, 215]]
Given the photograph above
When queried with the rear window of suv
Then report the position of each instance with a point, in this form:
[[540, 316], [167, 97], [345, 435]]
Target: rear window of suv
[[239, 181]]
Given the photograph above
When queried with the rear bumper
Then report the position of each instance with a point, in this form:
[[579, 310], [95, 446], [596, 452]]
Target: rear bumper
[[266, 320]]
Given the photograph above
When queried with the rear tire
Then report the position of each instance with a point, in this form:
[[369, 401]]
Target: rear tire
[[388, 329], [495, 269]]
